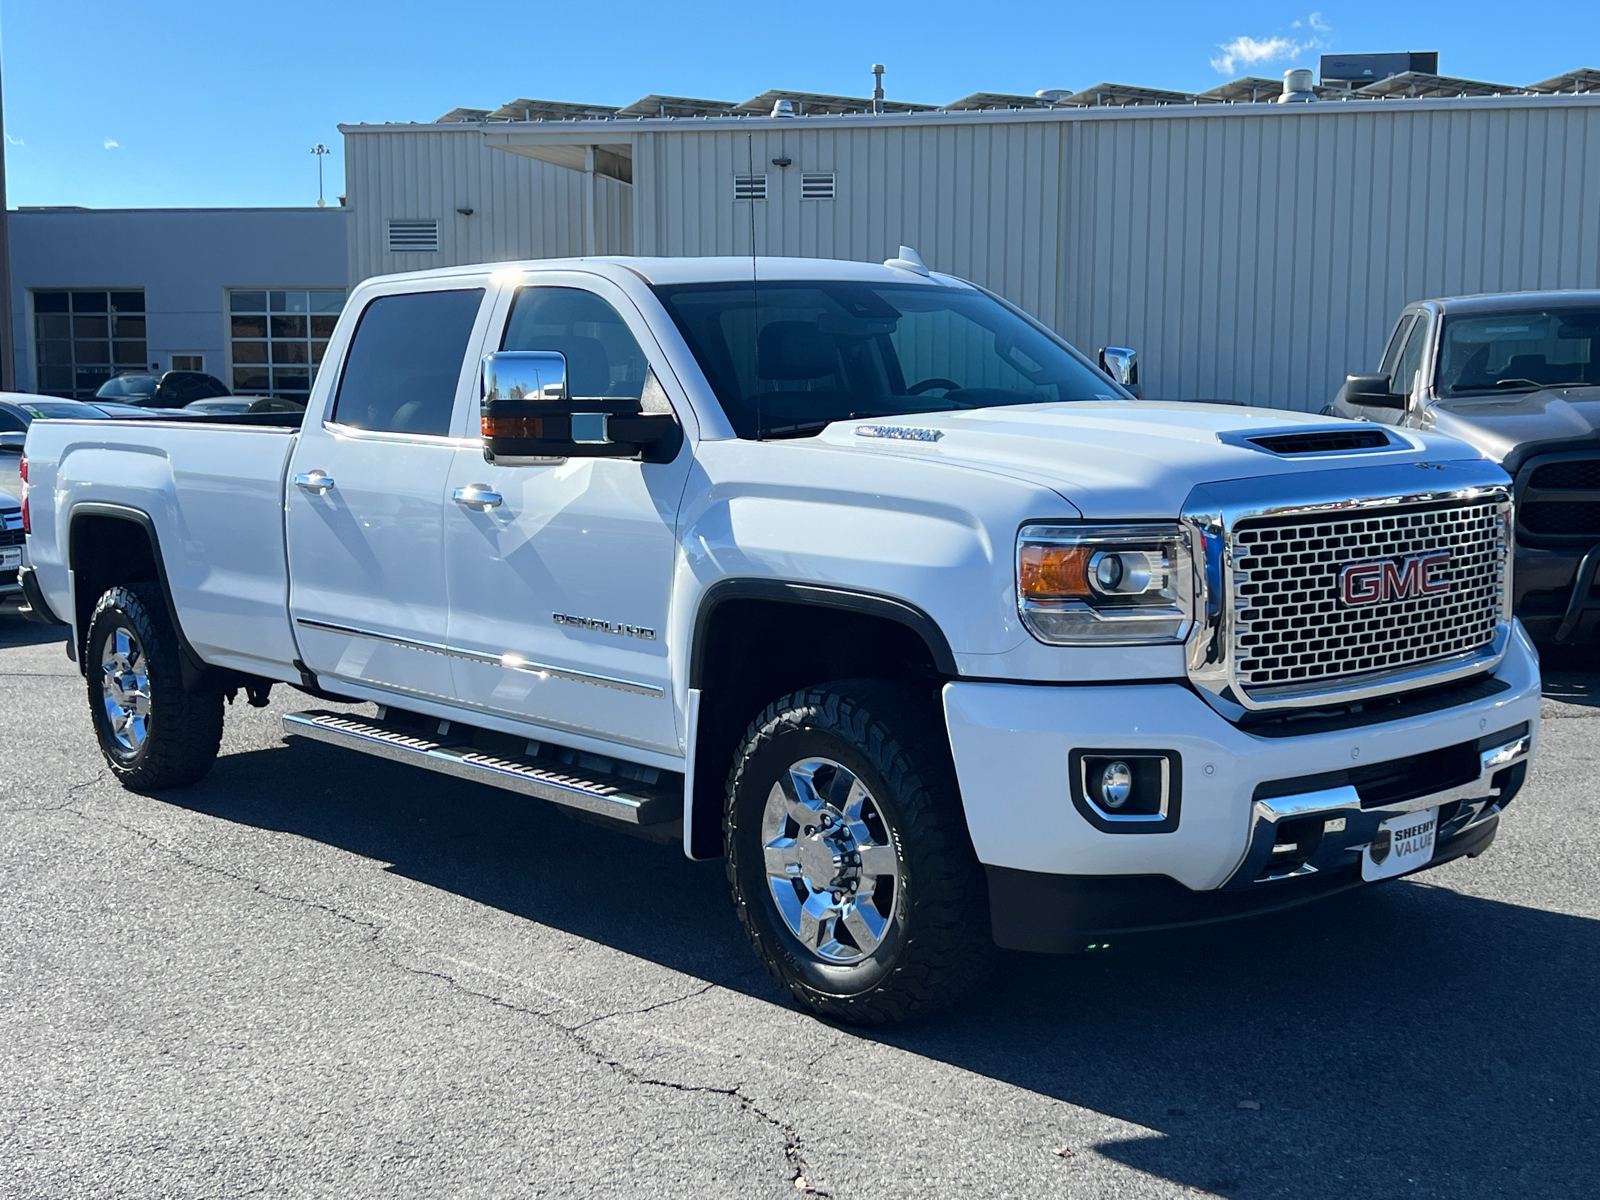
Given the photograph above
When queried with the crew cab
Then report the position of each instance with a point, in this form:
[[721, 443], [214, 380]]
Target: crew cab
[[854, 575], [1517, 375]]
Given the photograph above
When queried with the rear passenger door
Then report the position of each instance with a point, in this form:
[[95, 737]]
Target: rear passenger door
[[367, 492]]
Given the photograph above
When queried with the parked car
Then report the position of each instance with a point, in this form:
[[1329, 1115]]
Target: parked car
[[17, 412], [1518, 376], [171, 390], [858, 576]]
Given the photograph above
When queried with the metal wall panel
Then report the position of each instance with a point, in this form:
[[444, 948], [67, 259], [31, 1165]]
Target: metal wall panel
[[1255, 253]]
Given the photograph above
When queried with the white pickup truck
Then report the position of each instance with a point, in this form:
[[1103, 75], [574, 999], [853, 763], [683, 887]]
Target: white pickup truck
[[855, 575]]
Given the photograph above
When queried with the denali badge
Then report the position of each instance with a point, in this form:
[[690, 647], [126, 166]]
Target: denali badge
[[1384, 580], [638, 631]]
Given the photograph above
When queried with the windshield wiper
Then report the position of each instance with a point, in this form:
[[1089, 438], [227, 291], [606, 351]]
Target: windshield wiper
[[1518, 383], [797, 430]]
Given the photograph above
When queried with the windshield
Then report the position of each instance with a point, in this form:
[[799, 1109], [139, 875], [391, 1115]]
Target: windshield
[[69, 410], [786, 359], [124, 386], [1518, 351]]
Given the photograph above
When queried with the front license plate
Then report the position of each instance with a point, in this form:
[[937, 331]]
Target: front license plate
[[1401, 844], [10, 558]]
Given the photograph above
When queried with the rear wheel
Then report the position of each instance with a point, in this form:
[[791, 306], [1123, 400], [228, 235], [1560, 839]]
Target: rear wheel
[[153, 733], [849, 858]]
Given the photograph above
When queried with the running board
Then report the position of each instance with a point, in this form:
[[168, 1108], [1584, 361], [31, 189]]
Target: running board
[[612, 796]]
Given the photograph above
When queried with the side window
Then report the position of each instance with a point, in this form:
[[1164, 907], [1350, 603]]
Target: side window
[[1391, 352], [1405, 374], [404, 362], [603, 358]]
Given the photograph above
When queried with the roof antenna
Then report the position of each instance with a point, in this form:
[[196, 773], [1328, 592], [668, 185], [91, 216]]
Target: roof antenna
[[755, 291]]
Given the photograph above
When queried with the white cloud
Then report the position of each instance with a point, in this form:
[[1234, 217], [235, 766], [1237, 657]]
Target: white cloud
[[111, 144], [11, 141], [1245, 51]]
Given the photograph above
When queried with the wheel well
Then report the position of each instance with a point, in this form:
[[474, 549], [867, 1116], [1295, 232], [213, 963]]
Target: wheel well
[[105, 552], [750, 651]]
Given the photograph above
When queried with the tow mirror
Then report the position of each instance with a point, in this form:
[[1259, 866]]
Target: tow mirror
[[529, 415], [1122, 365], [1371, 391]]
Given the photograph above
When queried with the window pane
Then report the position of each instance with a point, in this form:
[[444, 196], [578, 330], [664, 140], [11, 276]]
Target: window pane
[[327, 302], [129, 353], [90, 378], [55, 379], [1405, 375], [322, 327], [88, 302], [603, 359], [317, 351], [49, 302], [54, 327], [250, 327], [249, 352], [288, 327], [89, 327], [250, 379], [294, 302], [92, 352], [405, 361], [56, 352], [248, 301], [291, 379], [127, 327], [278, 301], [127, 302], [288, 352]]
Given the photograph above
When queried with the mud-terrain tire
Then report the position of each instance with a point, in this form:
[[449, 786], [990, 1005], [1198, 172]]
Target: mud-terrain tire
[[925, 940], [154, 733]]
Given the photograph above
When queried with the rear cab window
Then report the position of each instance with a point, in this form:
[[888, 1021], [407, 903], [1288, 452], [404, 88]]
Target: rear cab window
[[404, 362]]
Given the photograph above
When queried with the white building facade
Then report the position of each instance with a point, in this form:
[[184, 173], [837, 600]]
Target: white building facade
[[1251, 252]]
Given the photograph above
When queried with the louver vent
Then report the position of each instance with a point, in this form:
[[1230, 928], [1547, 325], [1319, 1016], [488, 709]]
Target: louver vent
[[1323, 441], [413, 237], [749, 187], [817, 187]]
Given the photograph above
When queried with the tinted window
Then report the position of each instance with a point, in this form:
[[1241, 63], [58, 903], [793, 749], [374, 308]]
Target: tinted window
[[1392, 351], [1405, 375], [1519, 351], [798, 356], [603, 359], [405, 361], [11, 423]]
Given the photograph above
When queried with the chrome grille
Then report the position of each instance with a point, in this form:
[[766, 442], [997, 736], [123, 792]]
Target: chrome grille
[[1292, 627]]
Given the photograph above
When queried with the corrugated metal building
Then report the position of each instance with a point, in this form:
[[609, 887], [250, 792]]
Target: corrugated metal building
[[1251, 251]]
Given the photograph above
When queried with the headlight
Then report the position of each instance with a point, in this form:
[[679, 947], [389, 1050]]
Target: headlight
[[1105, 584]]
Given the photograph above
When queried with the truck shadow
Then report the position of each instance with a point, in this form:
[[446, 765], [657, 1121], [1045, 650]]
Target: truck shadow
[[1403, 1033], [18, 630]]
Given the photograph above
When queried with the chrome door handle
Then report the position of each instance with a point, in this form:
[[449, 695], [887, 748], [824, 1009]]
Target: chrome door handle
[[314, 481], [476, 495]]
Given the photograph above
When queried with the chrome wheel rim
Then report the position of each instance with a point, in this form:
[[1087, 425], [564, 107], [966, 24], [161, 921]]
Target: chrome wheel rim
[[830, 863], [125, 688]]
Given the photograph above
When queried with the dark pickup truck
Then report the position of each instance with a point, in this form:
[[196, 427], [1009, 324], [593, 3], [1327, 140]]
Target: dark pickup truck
[[1518, 376]]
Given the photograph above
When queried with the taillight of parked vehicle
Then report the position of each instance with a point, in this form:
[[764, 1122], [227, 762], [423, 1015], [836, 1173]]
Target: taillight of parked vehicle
[[22, 470]]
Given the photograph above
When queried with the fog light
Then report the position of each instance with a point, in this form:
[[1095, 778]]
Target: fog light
[[1116, 784]]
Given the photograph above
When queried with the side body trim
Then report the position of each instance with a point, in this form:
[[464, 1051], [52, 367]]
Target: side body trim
[[510, 660]]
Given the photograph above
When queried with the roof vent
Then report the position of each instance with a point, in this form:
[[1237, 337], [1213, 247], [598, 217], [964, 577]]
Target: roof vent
[[1297, 87], [783, 108], [1323, 441], [413, 237], [907, 260]]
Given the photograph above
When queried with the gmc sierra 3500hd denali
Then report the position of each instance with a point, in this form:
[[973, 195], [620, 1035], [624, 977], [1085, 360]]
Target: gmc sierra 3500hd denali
[[854, 574]]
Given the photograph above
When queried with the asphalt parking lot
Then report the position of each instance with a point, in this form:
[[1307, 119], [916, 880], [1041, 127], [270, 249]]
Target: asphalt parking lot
[[317, 974]]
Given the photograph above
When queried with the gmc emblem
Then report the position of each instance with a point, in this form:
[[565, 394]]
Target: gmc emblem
[[1384, 580]]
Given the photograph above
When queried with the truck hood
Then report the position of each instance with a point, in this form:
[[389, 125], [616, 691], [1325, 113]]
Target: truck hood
[[1499, 426], [1124, 459]]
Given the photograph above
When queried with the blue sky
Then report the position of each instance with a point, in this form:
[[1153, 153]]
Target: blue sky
[[172, 102]]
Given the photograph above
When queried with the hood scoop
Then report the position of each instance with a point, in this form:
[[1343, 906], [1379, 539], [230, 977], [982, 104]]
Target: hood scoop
[[1334, 440]]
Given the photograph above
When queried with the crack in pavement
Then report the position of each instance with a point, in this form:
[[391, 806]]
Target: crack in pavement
[[792, 1142]]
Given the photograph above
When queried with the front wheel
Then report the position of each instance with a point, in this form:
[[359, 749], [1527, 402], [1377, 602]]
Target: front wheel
[[849, 858], [153, 733]]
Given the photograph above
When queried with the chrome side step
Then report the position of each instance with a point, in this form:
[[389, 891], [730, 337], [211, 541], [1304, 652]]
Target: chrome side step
[[624, 800]]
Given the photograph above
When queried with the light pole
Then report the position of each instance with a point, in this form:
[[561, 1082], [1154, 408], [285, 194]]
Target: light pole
[[321, 152]]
